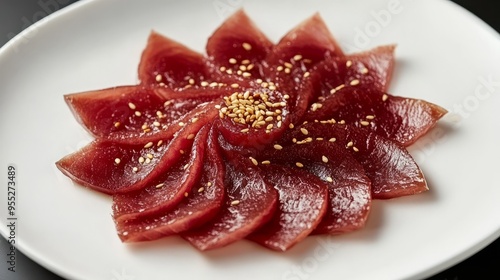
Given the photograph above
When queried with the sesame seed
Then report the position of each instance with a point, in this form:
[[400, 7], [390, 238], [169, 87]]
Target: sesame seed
[[354, 82], [181, 151], [355, 149], [245, 130], [141, 160], [286, 96], [329, 179], [229, 71], [201, 189], [304, 131], [148, 145], [162, 84], [190, 136], [158, 78], [204, 83], [150, 156], [297, 57], [266, 162], [250, 67], [258, 81], [193, 120], [278, 147], [288, 65], [222, 69], [287, 70], [364, 71], [167, 103], [191, 81], [246, 46], [254, 161], [332, 91], [131, 105], [350, 144], [319, 139], [339, 87], [370, 117], [137, 113], [291, 126], [186, 194], [232, 61], [209, 184], [185, 166], [235, 202], [135, 169], [156, 124], [348, 63], [324, 159], [364, 123], [159, 186], [213, 84], [117, 160], [342, 122], [243, 68], [235, 85], [332, 140], [245, 62], [181, 124], [279, 123], [279, 68], [160, 142], [117, 124], [298, 164], [306, 74], [246, 74], [384, 97]]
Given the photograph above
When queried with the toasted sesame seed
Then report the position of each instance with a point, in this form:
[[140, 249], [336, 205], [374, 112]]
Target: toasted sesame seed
[[193, 120], [339, 87], [364, 123], [291, 126], [235, 85], [287, 70], [204, 84], [245, 61], [181, 151], [135, 169], [137, 113], [332, 91], [191, 81], [222, 69], [245, 130], [319, 139], [131, 106], [288, 65], [148, 145], [167, 103], [298, 164], [190, 136], [329, 179], [279, 123], [246, 46], [384, 97], [158, 78], [209, 184], [350, 144], [186, 194], [332, 140], [159, 186], [304, 131], [232, 61], [141, 160], [213, 84], [279, 68], [160, 142], [150, 156], [246, 74], [370, 117], [342, 122], [229, 71], [185, 166], [364, 71], [278, 147], [117, 160], [354, 82], [243, 68], [235, 202], [201, 189], [258, 81], [324, 159], [156, 123], [348, 63], [254, 161], [297, 57], [117, 124], [266, 162], [355, 149], [306, 74], [250, 67], [181, 124]]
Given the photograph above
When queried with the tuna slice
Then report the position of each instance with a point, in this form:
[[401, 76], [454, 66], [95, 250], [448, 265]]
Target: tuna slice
[[303, 201], [123, 114], [403, 120], [391, 169], [236, 49], [288, 64], [112, 167], [201, 205], [167, 189], [165, 62], [373, 68], [250, 203], [349, 189]]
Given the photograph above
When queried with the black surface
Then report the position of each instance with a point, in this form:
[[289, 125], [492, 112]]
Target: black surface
[[16, 15]]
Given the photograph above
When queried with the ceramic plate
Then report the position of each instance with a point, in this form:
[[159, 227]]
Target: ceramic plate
[[444, 55]]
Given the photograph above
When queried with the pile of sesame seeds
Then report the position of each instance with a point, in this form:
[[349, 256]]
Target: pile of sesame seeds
[[253, 109]]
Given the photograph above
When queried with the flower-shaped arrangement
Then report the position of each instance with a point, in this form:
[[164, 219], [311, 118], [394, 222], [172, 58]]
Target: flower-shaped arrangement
[[256, 140]]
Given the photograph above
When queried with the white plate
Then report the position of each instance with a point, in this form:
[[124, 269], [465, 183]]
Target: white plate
[[444, 55]]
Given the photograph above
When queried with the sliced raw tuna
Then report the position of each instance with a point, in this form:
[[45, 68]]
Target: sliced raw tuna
[[166, 190], [111, 167], [165, 62], [201, 205], [236, 49], [249, 204], [289, 62], [390, 168], [373, 68], [349, 189], [403, 120], [125, 113], [303, 201]]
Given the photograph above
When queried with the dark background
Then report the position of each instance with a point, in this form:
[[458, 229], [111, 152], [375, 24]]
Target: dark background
[[16, 15]]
